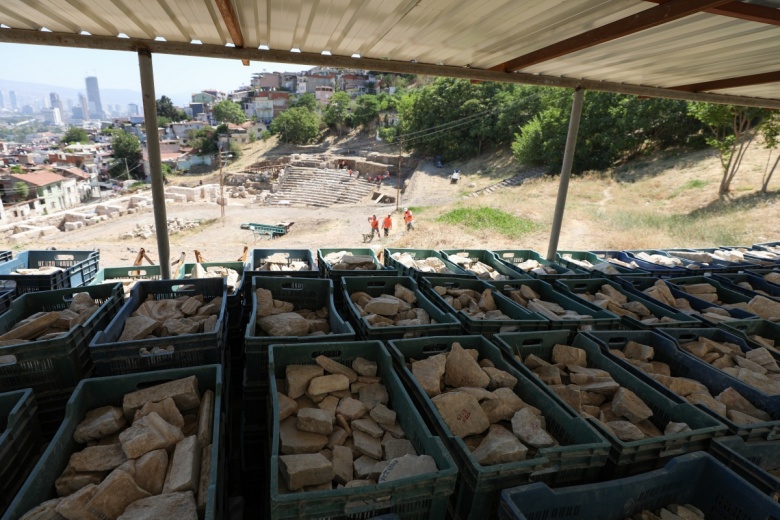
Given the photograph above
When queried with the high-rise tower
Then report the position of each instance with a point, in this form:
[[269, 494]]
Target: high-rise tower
[[93, 97], [56, 102]]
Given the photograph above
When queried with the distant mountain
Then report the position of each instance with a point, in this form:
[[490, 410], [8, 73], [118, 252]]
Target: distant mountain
[[27, 93]]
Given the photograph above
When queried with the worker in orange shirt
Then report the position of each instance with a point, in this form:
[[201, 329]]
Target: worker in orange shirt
[[374, 225], [387, 224], [408, 219]]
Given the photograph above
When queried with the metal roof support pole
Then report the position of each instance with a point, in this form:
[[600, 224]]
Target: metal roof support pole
[[568, 159], [155, 165]]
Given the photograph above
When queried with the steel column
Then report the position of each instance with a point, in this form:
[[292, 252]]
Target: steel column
[[155, 165], [568, 159]]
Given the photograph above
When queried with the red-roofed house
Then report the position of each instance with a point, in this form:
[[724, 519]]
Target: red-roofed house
[[52, 191]]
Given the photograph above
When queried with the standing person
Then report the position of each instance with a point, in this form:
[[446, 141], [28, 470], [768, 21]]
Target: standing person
[[408, 219], [374, 226], [387, 224]]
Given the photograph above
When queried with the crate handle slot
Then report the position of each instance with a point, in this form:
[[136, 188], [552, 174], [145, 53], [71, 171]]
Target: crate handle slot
[[8, 360], [580, 287], [64, 257], [617, 342], [376, 283], [435, 347], [292, 286], [685, 338], [327, 353], [160, 352], [531, 342]]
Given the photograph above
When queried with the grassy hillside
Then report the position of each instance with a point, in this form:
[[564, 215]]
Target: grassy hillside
[[669, 200]]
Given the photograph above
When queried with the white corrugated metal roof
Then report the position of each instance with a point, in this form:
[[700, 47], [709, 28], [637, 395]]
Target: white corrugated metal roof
[[480, 34]]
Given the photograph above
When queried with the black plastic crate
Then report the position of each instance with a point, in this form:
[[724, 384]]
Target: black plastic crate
[[6, 297], [681, 365], [695, 478], [78, 268], [6, 256], [752, 461], [21, 442], [747, 328], [55, 364], [112, 357]]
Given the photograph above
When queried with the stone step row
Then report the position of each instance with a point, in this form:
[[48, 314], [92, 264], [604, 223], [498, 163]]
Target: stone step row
[[511, 181]]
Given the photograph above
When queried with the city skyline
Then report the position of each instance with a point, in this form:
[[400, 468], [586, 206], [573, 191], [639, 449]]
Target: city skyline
[[175, 76]]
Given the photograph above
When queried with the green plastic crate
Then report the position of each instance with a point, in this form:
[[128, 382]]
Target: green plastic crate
[[695, 478], [514, 257], [259, 257], [78, 269], [415, 273], [131, 272], [21, 442], [579, 458], [326, 270], [112, 357], [725, 294], [487, 258], [304, 293], [747, 328], [421, 497], [576, 287], [595, 259], [752, 461], [109, 391], [376, 285], [58, 363], [626, 458], [519, 316], [680, 365], [234, 293], [600, 319]]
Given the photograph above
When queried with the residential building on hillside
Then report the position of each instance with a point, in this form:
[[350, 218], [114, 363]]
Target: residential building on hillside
[[49, 191], [323, 94], [309, 83], [266, 80]]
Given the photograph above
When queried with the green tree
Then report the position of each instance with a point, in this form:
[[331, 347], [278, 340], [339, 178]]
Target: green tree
[[307, 101], [228, 111], [17, 169], [251, 136], [771, 132], [128, 156], [75, 135], [335, 113], [22, 190], [204, 140], [732, 128], [166, 110], [296, 125], [366, 111]]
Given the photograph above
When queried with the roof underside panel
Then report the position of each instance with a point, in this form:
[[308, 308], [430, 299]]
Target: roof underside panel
[[698, 48]]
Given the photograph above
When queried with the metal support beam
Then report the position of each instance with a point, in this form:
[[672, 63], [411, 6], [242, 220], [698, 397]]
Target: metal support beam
[[664, 13], [568, 160], [742, 81], [155, 165], [112, 43], [743, 11]]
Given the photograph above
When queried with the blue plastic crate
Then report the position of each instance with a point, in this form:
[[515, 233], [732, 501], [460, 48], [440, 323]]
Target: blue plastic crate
[[78, 268], [681, 365], [730, 281], [632, 457], [696, 478], [593, 258], [576, 287], [752, 461], [654, 269], [745, 329]]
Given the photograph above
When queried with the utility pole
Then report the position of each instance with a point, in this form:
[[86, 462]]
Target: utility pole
[[221, 180], [398, 190]]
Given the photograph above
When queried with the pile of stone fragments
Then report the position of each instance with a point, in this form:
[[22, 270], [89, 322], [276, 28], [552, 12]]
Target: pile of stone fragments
[[337, 429], [149, 458], [389, 310], [478, 403], [595, 394]]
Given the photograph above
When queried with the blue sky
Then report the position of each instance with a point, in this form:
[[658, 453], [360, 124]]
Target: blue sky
[[174, 74]]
